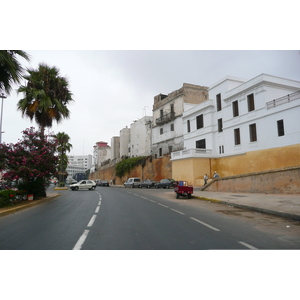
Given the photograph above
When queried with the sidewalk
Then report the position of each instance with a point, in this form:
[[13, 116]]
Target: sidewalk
[[22, 205], [282, 205]]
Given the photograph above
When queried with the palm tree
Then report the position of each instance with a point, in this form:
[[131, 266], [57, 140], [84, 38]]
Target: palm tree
[[63, 147], [10, 69], [46, 96]]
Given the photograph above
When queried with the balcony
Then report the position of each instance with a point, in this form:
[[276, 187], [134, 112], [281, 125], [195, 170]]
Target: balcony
[[283, 100], [191, 153], [165, 118]]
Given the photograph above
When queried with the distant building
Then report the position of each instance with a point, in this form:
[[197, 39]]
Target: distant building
[[78, 164], [244, 127], [167, 130], [140, 137], [101, 153], [125, 142], [115, 147]]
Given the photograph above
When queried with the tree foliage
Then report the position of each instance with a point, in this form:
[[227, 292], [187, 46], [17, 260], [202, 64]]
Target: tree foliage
[[128, 164], [32, 161], [46, 95], [10, 68]]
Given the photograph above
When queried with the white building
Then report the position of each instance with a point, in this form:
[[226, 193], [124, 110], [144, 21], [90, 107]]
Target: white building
[[115, 147], [101, 153], [140, 137], [245, 126], [125, 142], [78, 164], [167, 131]]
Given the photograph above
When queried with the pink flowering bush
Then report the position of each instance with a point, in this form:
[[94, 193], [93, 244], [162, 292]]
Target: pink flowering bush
[[32, 161]]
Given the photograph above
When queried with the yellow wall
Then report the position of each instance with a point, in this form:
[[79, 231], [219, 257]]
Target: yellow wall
[[193, 169]]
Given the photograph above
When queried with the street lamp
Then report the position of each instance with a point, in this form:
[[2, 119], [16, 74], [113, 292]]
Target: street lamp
[[3, 97]]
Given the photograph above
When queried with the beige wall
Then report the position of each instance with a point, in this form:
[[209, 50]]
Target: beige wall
[[193, 169]]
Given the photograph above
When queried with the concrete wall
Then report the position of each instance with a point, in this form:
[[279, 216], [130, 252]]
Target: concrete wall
[[155, 169], [280, 181], [193, 169]]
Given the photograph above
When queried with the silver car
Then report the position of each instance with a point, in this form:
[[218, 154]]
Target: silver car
[[83, 184]]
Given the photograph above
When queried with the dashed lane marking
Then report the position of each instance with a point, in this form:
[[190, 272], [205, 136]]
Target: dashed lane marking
[[81, 240], [97, 209], [180, 212], [163, 205], [205, 224], [92, 221], [248, 246]]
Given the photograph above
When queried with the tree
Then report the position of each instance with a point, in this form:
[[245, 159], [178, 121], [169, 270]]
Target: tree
[[46, 96], [10, 69], [32, 161], [63, 146]]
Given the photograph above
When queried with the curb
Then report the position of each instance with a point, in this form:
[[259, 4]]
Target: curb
[[12, 210], [262, 210]]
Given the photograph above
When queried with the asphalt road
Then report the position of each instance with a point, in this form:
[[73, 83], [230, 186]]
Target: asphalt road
[[113, 218]]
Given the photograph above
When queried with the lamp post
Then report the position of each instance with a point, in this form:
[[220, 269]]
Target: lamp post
[[3, 97]]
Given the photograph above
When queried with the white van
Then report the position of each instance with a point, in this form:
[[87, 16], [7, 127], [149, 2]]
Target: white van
[[132, 182]]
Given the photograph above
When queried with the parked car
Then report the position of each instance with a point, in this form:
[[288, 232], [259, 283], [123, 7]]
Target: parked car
[[104, 183], [83, 184], [147, 183], [182, 188], [165, 183], [98, 182], [132, 182]]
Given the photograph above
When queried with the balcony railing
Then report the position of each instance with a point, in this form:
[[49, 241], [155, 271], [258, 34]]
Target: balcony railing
[[165, 118], [189, 153], [283, 100]]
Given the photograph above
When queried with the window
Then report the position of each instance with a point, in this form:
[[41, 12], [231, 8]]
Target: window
[[199, 121], [252, 131], [161, 130], [280, 128], [201, 144], [250, 100], [188, 126], [221, 149], [235, 108], [220, 125], [160, 151], [172, 109], [161, 113], [219, 104], [172, 127], [237, 136]]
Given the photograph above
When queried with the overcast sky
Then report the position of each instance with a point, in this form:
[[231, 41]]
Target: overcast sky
[[111, 89]]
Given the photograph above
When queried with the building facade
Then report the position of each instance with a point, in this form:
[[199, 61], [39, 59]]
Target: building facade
[[115, 147], [78, 164], [125, 142], [245, 126], [141, 137], [101, 153], [167, 129]]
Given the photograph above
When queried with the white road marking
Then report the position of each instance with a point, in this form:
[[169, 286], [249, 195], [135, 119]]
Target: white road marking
[[81, 240], [144, 197], [248, 246], [152, 201], [92, 221], [97, 209], [178, 211], [163, 205], [205, 224], [99, 203]]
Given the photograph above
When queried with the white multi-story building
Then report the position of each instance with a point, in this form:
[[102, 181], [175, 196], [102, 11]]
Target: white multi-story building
[[78, 164], [101, 153], [140, 137], [167, 130], [115, 147], [245, 126], [125, 142]]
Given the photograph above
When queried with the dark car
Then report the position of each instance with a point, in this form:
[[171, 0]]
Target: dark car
[[104, 183], [165, 183], [147, 183]]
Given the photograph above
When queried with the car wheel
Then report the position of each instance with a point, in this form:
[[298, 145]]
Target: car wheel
[[76, 188], [167, 186], [156, 187]]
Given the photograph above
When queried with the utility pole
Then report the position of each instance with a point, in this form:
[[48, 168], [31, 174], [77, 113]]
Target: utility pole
[[3, 97]]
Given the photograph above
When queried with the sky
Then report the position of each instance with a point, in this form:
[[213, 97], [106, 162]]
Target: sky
[[112, 88]]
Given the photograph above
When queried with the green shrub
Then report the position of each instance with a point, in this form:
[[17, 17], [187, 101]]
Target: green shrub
[[128, 164], [6, 196]]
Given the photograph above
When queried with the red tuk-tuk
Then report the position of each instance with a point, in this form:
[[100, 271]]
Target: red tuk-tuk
[[183, 189]]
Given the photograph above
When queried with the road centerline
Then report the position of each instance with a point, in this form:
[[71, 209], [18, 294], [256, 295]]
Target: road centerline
[[81, 240], [205, 224], [179, 212]]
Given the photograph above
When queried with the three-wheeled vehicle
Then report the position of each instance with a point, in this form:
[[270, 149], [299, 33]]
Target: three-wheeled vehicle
[[183, 189]]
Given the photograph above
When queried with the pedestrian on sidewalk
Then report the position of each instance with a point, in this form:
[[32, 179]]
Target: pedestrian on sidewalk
[[205, 179], [216, 175]]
